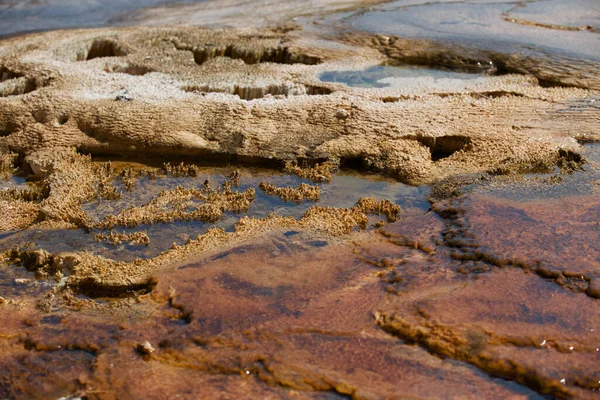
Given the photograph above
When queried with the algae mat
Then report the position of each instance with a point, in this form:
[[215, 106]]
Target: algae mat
[[212, 212]]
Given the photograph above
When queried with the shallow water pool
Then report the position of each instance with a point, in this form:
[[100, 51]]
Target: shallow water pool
[[378, 76]]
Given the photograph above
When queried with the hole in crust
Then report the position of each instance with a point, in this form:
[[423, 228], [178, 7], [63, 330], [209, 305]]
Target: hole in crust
[[95, 290], [136, 70], [14, 83], [444, 146], [63, 119], [101, 48], [7, 128], [259, 92], [395, 99], [40, 116], [355, 163], [318, 90], [6, 74], [278, 55]]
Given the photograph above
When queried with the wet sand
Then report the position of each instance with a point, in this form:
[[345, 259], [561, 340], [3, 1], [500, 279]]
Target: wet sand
[[329, 202]]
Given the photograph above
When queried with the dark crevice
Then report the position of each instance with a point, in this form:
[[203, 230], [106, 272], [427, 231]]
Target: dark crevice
[[354, 163], [207, 159], [278, 55], [62, 119], [444, 146], [7, 74], [318, 90], [14, 83], [101, 48], [395, 99], [95, 290], [554, 83], [130, 69], [7, 128], [494, 94], [491, 94], [259, 92]]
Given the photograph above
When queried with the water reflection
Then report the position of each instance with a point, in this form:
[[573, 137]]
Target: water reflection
[[12, 182], [580, 14], [21, 16], [344, 190], [487, 25], [378, 76], [556, 184]]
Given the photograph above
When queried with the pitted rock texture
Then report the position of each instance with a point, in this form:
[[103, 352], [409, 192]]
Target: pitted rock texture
[[255, 95]]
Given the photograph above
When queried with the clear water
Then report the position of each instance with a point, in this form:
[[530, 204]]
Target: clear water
[[484, 24], [344, 190], [12, 182], [571, 13], [378, 76], [21, 16], [555, 184]]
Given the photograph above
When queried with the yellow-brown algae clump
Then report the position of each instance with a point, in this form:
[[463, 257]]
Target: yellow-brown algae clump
[[29, 194], [180, 204], [385, 207], [150, 173], [127, 179], [181, 170], [290, 194], [7, 165], [41, 262], [341, 221], [17, 214], [116, 238], [234, 178], [335, 221], [106, 189], [71, 180], [319, 173], [332, 220]]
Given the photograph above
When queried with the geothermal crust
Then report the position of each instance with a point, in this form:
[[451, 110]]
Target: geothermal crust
[[253, 96]]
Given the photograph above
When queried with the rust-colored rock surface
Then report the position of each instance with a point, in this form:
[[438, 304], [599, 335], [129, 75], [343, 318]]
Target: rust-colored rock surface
[[250, 320]]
